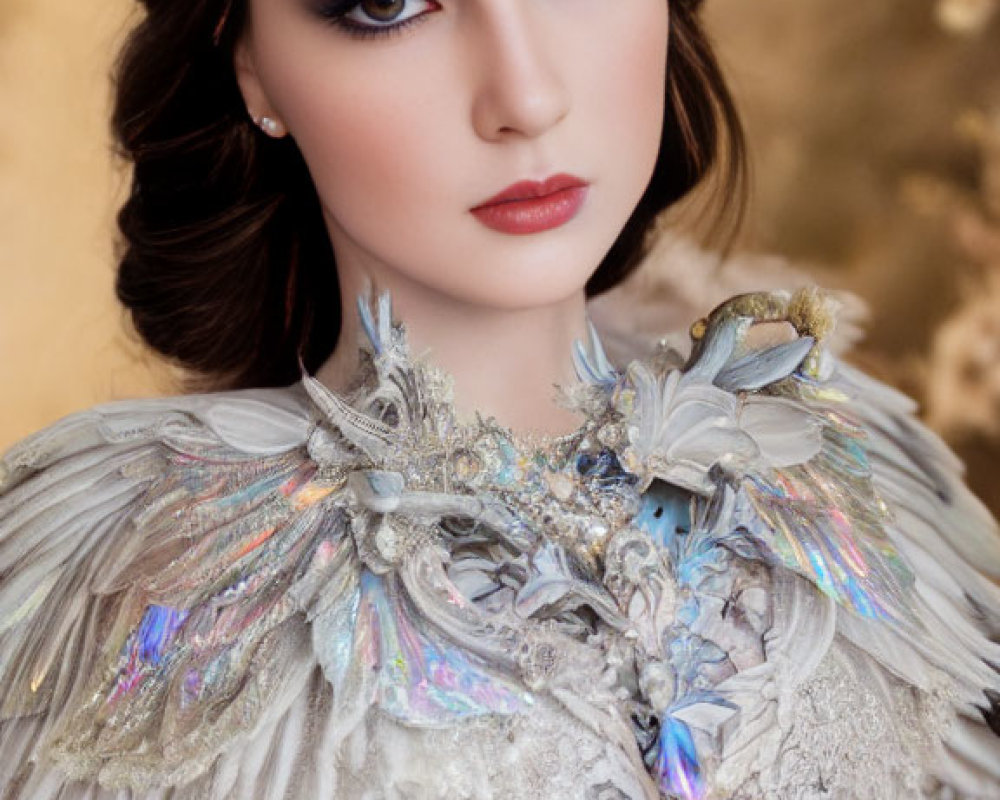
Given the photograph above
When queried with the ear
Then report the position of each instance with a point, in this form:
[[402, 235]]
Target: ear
[[258, 105]]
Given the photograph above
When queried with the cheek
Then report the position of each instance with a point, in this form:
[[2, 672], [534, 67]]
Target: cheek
[[642, 85], [364, 147], [370, 127], [628, 76]]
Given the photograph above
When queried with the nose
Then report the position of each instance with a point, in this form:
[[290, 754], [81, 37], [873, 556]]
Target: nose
[[520, 91]]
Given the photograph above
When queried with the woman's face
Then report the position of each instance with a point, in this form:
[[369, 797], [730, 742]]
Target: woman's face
[[423, 110]]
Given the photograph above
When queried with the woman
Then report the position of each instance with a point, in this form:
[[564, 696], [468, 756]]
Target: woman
[[743, 572]]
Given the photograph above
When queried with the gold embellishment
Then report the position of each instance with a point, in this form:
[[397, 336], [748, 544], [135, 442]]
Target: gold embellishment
[[811, 313]]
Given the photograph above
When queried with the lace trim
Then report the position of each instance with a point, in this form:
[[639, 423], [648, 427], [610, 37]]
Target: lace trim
[[854, 734]]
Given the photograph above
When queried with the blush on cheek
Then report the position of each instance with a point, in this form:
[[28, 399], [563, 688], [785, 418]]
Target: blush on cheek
[[630, 78], [373, 142], [642, 72]]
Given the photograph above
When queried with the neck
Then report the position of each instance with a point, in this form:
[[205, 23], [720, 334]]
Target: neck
[[506, 364]]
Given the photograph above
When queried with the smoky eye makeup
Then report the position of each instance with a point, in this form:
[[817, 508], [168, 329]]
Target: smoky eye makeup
[[364, 19]]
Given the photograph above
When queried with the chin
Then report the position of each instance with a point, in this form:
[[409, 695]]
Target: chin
[[528, 286], [529, 275]]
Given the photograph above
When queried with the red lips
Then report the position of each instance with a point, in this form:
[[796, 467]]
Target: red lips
[[533, 206]]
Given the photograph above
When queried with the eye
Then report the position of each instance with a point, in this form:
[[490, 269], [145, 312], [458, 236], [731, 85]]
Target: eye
[[376, 17], [381, 11]]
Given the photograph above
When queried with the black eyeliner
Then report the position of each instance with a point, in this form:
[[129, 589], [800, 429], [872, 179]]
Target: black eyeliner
[[335, 13]]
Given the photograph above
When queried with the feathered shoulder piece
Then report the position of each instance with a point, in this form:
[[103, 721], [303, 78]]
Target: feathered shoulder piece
[[181, 578], [152, 559], [759, 414], [831, 466], [763, 444], [214, 592]]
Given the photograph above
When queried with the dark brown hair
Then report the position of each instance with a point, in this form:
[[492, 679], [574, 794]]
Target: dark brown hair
[[226, 266]]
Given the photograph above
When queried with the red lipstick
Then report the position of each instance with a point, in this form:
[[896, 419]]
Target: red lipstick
[[532, 206]]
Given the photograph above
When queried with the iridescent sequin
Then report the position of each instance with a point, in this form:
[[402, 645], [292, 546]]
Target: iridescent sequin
[[144, 652]]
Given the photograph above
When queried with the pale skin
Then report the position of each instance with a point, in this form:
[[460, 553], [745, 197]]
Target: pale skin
[[404, 134]]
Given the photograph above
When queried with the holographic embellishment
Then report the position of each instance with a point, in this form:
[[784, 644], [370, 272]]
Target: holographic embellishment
[[829, 525], [676, 765], [146, 648], [422, 679], [504, 571]]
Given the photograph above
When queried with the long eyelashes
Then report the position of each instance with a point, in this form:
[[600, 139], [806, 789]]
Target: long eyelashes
[[337, 12]]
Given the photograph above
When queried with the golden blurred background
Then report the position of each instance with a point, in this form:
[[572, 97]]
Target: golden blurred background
[[875, 135]]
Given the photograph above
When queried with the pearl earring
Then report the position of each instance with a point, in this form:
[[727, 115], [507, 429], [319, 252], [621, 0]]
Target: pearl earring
[[270, 126]]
